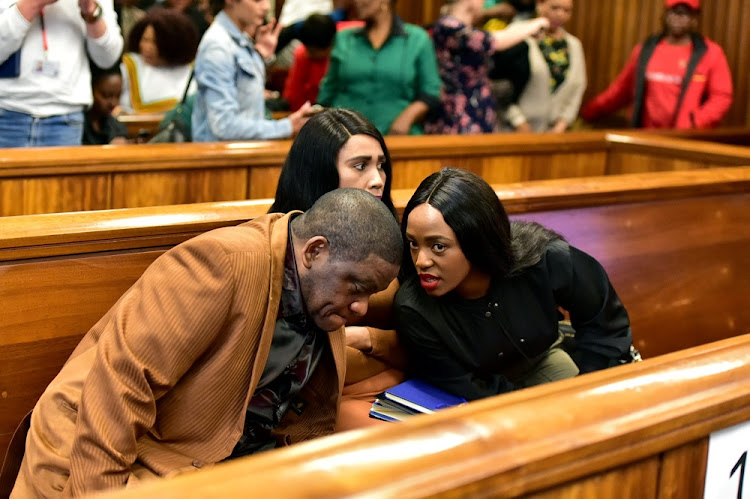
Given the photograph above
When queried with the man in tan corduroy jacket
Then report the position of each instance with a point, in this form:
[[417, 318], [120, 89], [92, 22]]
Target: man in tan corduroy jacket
[[170, 377]]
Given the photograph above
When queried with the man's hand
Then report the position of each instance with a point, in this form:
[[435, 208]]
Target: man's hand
[[266, 38], [358, 337], [300, 117], [87, 7], [401, 125], [29, 9]]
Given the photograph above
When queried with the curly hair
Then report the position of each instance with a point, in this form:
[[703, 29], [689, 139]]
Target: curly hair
[[176, 36]]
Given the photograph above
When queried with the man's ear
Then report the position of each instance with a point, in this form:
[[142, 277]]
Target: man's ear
[[315, 248]]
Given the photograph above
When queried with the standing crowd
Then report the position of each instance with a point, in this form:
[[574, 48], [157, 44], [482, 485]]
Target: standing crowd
[[482, 67]]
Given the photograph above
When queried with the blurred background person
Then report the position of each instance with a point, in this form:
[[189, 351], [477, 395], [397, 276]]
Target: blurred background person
[[192, 11], [463, 53], [552, 95], [310, 60], [157, 67], [675, 79], [46, 84], [100, 127], [230, 70], [386, 70]]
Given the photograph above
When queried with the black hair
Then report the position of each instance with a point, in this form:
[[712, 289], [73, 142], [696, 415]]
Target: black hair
[[310, 167], [98, 74], [475, 214], [176, 36], [356, 225], [318, 31]]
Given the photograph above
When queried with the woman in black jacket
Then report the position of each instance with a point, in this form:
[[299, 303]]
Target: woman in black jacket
[[478, 305]]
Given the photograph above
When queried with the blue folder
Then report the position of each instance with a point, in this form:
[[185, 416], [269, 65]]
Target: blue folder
[[422, 397]]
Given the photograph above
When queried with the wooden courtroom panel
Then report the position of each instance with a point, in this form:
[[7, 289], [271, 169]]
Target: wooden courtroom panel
[[139, 123], [683, 471], [28, 196], [578, 437], [646, 249], [136, 189]]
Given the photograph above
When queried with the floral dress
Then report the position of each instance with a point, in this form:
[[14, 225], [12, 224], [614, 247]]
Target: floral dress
[[463, 55]]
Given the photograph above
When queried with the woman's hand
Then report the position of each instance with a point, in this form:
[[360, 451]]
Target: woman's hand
[[358, 337], [266, 38]]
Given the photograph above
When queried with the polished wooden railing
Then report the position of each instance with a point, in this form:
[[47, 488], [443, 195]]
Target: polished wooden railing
[[634, 431], [49, 180]]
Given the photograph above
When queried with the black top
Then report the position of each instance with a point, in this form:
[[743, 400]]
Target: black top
[[110, 129], [466, 346]]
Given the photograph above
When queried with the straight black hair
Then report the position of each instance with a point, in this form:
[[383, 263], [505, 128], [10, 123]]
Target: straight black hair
[[310, 168], [475, 214]]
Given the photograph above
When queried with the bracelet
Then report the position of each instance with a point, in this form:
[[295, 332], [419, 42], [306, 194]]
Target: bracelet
[[94, 16], [270, 60]]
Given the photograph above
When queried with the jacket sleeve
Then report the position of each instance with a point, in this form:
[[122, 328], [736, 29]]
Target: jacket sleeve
[[719, 93], [295, 80], [106, 50], [618, 95], [431, 361], [13, 29], [581, 286], [429, 83], [569, 111], [329, 85], [166, 321]]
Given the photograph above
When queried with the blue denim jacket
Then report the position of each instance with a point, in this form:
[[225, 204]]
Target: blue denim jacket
[[231, 76]]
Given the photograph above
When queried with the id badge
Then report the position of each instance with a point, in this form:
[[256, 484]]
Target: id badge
[[50, 69]]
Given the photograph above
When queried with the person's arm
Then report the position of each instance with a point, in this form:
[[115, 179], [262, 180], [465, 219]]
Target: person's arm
[[295, 80], [601, 323], [428, 359], [516, 32], [618, 95], [162, 325], [576, 86], [329, 85], [103, 38], [428, 86], [719, 94], [15, 22], [215, 75]]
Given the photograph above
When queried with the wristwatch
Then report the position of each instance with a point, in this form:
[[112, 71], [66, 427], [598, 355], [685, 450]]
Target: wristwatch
[[94, 16]]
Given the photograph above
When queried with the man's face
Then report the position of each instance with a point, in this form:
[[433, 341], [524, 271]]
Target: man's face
[[336, 292], [680, 20]]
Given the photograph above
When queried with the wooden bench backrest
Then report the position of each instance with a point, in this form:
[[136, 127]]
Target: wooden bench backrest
[[48, 180], [673, 244], [634, 431]]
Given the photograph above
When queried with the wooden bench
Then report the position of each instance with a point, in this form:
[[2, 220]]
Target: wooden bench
[[634, 431], [49, 180], [674, 245]]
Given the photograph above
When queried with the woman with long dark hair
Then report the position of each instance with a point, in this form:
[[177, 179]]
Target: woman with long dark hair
[[336, 148], [477, 311]]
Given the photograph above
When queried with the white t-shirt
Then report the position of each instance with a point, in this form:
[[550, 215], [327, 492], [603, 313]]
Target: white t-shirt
[[294, 11]]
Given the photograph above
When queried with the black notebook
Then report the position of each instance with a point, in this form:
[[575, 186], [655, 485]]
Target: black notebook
[[11, 67]]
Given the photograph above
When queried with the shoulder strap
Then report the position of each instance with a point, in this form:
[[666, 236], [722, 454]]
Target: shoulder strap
[[699, 50], [187, 85], [640, 77]]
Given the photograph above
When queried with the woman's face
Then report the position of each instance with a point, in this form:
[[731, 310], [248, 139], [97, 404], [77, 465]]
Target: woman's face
[[148, 49], [440, 263], [250, 14], [558, 12], [369, 9], [107, 94], [360, 165]]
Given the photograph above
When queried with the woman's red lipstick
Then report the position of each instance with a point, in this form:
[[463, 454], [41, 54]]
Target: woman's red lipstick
[[428, 281]]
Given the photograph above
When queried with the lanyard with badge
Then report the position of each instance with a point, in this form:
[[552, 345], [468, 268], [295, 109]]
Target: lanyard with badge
[[45, 66]]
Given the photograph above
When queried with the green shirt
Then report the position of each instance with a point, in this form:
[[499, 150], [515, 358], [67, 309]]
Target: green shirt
[[380, 84]]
